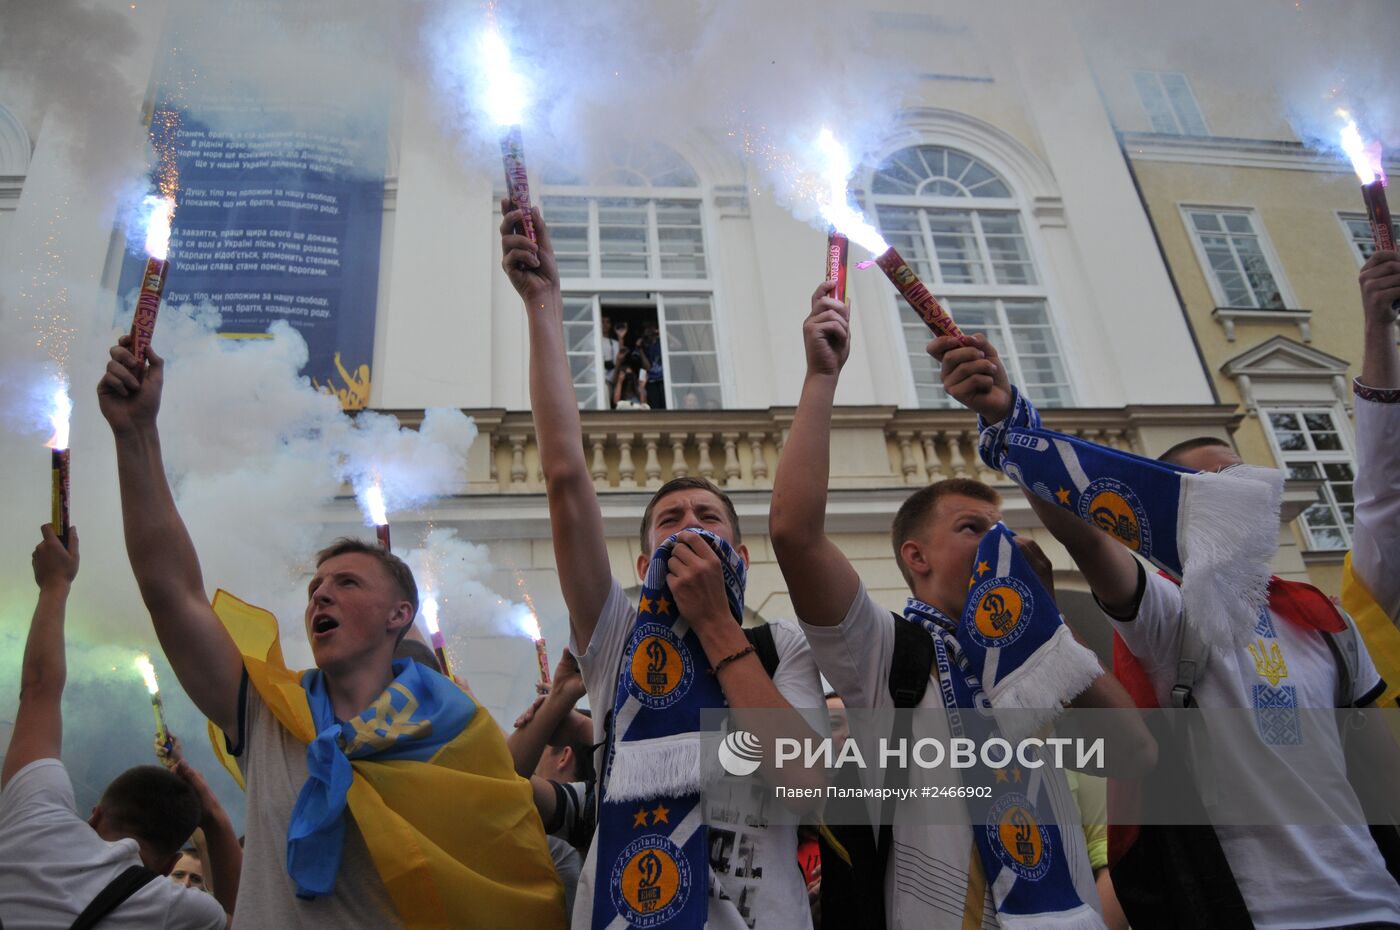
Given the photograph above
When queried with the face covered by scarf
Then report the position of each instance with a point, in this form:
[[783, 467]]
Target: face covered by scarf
[[1011, 651], [653, 857]]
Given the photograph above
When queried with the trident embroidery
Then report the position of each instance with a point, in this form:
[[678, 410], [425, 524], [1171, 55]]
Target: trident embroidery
[[388, 724], [1268, 662]]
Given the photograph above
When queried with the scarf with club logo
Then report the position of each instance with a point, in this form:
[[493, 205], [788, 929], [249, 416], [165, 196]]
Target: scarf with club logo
[[1012, 651], [1216, 532], [653, 859]]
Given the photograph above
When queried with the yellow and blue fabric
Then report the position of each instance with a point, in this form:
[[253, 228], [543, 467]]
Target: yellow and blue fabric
[[1378, 632], [653, 860], [1215, 532], [1011, 631], [452, 830]]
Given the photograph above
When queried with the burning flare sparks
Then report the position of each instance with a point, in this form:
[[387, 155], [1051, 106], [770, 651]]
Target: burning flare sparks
[[148, 672], [505, 95], [430, 613], [1365, 158], [59, 416], [158, 222], [372, 503], [836, 206]]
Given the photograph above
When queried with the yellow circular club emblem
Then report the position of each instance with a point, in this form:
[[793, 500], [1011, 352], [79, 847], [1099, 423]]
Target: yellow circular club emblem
[[1020, 842], [1114, 508], [651, 881], [660, 672], [1113, 515], [999, 611]]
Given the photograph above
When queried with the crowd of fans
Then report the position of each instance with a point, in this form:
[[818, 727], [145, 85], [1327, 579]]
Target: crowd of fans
[[379, 794]]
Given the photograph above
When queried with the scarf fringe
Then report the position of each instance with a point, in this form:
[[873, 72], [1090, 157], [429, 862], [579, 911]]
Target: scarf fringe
[[1083, 917], [1228, 533], [1057, 672], [668, 766]]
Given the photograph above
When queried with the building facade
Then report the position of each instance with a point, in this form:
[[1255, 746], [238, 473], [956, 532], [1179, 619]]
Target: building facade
[[1151, 270]]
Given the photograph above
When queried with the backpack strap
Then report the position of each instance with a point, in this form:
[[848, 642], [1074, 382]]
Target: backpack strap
[[1190, 666], [911, 664], [761, 638], [110, 898]]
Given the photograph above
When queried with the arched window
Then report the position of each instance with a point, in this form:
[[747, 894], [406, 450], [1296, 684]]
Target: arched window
[[630, 242], [961, 227]]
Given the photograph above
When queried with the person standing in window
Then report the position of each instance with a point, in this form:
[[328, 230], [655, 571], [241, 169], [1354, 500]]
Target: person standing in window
[[650, 347], [630, 390], [610, 349]]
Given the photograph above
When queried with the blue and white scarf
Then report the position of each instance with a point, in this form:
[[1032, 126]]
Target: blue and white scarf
[[653, 858], [418, 714], [1215, 532], [1012, 650]]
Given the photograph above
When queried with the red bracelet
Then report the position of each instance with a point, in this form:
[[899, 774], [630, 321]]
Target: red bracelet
[[734, 658]]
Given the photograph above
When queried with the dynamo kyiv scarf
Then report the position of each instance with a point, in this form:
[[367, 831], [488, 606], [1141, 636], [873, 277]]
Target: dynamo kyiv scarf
[[1012, 650], [653, 857], [1215, 532], [418, 714]]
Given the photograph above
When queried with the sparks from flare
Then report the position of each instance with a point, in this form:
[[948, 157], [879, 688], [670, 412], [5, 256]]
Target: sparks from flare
[[148, 673], [505, 94], [372, 503], [836, 205], [1365, 158], [59, 416]]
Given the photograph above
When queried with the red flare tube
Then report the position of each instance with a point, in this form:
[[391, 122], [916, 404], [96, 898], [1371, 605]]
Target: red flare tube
[[925, 304], [517, 182], [381, 532], [838, 251], [143, 325], [440, 650], [1378, 212], [60, 494], [542, 656]]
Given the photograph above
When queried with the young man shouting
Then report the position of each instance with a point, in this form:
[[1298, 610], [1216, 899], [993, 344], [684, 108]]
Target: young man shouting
[[653, 665], [378, 792]]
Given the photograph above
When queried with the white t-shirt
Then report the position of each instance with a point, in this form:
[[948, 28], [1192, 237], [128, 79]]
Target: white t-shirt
[[1375, 555], [1291, 877], [273, 763], [928, 875], [52, 864], [760, 885]]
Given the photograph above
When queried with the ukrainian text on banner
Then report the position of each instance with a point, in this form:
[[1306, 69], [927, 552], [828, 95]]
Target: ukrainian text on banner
[[279, 213]]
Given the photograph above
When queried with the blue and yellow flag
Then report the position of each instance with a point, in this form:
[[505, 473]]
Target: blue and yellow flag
[[452, 830], [1377, 631]]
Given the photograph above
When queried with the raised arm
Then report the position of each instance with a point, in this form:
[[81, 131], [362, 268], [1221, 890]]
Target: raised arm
[[820, 580], [537, 726], [38, 732], [225, 856], [162, 554], [974, 376], [576, 521], [1376, 537]]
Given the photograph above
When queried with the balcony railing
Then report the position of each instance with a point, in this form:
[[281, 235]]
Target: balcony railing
[[871, 447]]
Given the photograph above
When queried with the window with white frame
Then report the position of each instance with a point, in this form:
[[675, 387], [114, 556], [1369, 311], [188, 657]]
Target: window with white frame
[[1310, 444], [1236, 258], [631, 250], [1169, 102], [963, 231], [1358, 229]]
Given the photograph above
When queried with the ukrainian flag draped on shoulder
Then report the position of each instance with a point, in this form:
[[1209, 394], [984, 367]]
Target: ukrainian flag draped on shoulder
[[452, 830], [1216, 532]]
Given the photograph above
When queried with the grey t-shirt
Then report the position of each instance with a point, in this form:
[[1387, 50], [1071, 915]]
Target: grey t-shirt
[[273, 763]]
